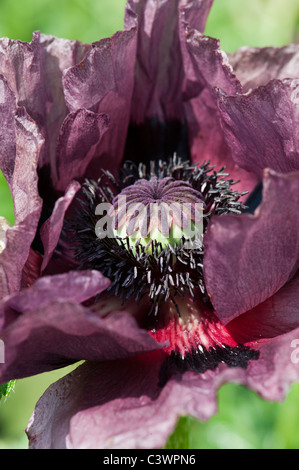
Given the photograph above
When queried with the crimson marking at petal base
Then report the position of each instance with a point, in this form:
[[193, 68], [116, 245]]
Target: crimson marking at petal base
[[198, 341]]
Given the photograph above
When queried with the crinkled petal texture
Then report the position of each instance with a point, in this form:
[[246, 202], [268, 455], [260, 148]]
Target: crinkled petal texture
[[45, 327], [80, 135], [103, 83], [275, 370], [248, 258], [175, 91], [33, 71], [255, 66], [21, 143], [208, 68], [161, 74], [261, 123], [262, 126], [118, 404], [275, 316], [136, 79], [4, 226]]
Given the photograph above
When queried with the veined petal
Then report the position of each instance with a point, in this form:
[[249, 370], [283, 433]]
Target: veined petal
[[275, 316], [256, 66], [261, 127], [274, 372], [103, 83], [51, 229], [159, 72], [250, 257], [136, 413], [117, 405], [86, 284], [174, 106], [78, 140], [21, 144], [206, 68], [44, 327], [34, 73]]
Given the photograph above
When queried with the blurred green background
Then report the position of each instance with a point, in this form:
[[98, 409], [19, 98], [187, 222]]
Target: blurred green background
[[244, 420]]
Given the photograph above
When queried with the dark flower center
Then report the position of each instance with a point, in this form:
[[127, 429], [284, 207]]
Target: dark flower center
[[148, 242], [147, 253]]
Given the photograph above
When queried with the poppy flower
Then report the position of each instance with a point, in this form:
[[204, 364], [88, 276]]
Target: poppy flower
[[159, 114]]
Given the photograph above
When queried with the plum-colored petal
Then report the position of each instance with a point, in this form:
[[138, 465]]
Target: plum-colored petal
[[261, 127], [174, 92], [20, 64], [159, 70], [77, 286], [117, 405], [103, 83], [51, 229], [277, 315], [79, 137], [255, 66], [4, 226], [32, 269], [206, 68], [34, 73], [274, 372], [44, 328], [194, 12], [57, 55], [21, 144], [250, 257]]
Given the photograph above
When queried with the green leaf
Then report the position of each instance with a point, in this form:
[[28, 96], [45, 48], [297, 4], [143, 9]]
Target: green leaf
[[6, 201], [180, 439], [5, 389]]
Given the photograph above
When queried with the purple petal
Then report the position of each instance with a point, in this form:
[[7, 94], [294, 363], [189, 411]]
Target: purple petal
[[4, 226], [159, 72], [51, 229], [20, 64], [103, 83], [34, 73], [77, 286], [206, 68], [32, 269], [57, 55], [275, 370], [79, 137], [159, 65], [179, 86], [255, 66], [261, 127], [277, 315], [117, 405], [194, 12], [43, 328], [250, 257], [21, 144]]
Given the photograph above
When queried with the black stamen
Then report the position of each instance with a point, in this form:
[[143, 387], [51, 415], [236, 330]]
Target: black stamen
[[203, 359], [160, 272]]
